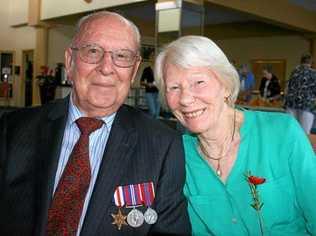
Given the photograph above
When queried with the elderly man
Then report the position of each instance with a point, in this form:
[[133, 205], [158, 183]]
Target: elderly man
[[87, 164]]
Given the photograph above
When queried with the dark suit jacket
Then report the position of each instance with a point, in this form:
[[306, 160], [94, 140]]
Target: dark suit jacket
[[138, 150], [274, 86]]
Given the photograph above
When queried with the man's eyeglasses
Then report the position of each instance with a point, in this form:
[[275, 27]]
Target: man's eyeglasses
[[93, 54]]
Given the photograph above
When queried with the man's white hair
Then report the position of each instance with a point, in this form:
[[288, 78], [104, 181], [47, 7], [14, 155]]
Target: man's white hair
[[95, 15]]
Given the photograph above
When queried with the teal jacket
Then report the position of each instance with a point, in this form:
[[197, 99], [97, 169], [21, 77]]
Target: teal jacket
[[273, 146]]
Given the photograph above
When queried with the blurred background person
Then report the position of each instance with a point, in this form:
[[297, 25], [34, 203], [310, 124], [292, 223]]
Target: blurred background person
[[151, 91], [269, 86], [246, 171], [300, 98], [247, 83]]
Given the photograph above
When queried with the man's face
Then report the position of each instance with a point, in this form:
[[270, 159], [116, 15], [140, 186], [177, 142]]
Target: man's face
[[267, 74], [244, 71], [100, 89]]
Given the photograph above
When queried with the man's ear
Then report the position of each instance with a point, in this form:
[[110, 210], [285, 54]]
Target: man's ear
[[68, 62], [136, 66]]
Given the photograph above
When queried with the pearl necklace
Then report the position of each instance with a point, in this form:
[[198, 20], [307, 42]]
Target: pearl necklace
[[203, 152]]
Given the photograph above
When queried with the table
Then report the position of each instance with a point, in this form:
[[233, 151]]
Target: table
[[262, 108]]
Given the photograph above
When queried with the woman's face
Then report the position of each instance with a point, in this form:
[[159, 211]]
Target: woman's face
[[195, 96]]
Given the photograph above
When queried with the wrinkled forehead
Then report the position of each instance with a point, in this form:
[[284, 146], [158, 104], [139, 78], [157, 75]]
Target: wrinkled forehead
[[106, 27], [190, 71]]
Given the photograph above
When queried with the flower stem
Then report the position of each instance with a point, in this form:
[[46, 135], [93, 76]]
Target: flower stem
[[253, 181], [260, 222]]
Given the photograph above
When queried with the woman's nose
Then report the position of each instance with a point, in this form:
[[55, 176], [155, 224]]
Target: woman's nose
[[187, 97]]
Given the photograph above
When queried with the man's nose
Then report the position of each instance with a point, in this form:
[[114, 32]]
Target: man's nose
[[105, 66]]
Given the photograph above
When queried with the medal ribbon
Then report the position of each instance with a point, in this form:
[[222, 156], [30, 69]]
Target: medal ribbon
[[132, 195], [118, 197], [147, 193]]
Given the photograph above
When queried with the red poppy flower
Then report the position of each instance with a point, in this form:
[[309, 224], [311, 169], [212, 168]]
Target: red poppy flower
[[253, 181], [256, 180]]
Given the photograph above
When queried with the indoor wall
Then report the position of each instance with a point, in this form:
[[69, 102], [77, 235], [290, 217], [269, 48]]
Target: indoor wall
[[15, 39], [288, 48]]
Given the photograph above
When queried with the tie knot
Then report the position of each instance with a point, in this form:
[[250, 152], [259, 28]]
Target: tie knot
[[87, 125]]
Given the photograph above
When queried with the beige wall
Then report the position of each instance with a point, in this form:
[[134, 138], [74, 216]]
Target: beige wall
[[244, 50], [59, 39], [18, 11], [56, 8], [15, 39], [12, 37]]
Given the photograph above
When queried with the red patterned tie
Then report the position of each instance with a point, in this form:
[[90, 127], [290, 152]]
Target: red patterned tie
[[66, 208]]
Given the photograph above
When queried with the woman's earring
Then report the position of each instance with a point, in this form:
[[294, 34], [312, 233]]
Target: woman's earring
[[227, 100]]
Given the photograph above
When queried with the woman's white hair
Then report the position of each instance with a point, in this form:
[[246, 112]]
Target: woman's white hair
[[198, 51]]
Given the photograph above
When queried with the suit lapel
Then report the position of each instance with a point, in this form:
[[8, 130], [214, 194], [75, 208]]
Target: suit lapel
[[119, 148], [52, 130]]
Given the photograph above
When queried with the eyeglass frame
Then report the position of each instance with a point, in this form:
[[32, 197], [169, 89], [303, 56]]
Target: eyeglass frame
[[136, 56]]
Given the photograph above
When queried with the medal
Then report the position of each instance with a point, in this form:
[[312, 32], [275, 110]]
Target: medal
[[119, 218], [132, 196], [150, 216], [135, 218], [148, 196]]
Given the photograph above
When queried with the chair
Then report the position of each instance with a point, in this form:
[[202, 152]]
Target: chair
[[312, 138]]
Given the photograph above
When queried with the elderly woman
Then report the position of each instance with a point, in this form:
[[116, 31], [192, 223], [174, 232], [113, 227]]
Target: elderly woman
[[248, 172]]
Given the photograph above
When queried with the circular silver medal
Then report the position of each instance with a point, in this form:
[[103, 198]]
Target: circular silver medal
[[150, 216], [135, 218]]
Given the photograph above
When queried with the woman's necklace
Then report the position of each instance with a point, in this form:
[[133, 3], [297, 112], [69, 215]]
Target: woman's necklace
[[203, 151]]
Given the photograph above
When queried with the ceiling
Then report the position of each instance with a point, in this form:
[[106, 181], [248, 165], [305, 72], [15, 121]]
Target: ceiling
[[306, 4], [143, 14]]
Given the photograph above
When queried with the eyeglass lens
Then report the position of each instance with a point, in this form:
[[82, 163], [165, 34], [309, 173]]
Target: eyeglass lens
[[93, 54]]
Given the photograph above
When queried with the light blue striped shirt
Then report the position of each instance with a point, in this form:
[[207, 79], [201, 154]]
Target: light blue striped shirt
[[97, 143]]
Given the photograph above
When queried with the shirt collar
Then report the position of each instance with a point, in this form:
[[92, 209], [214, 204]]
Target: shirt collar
[[75, 113]]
